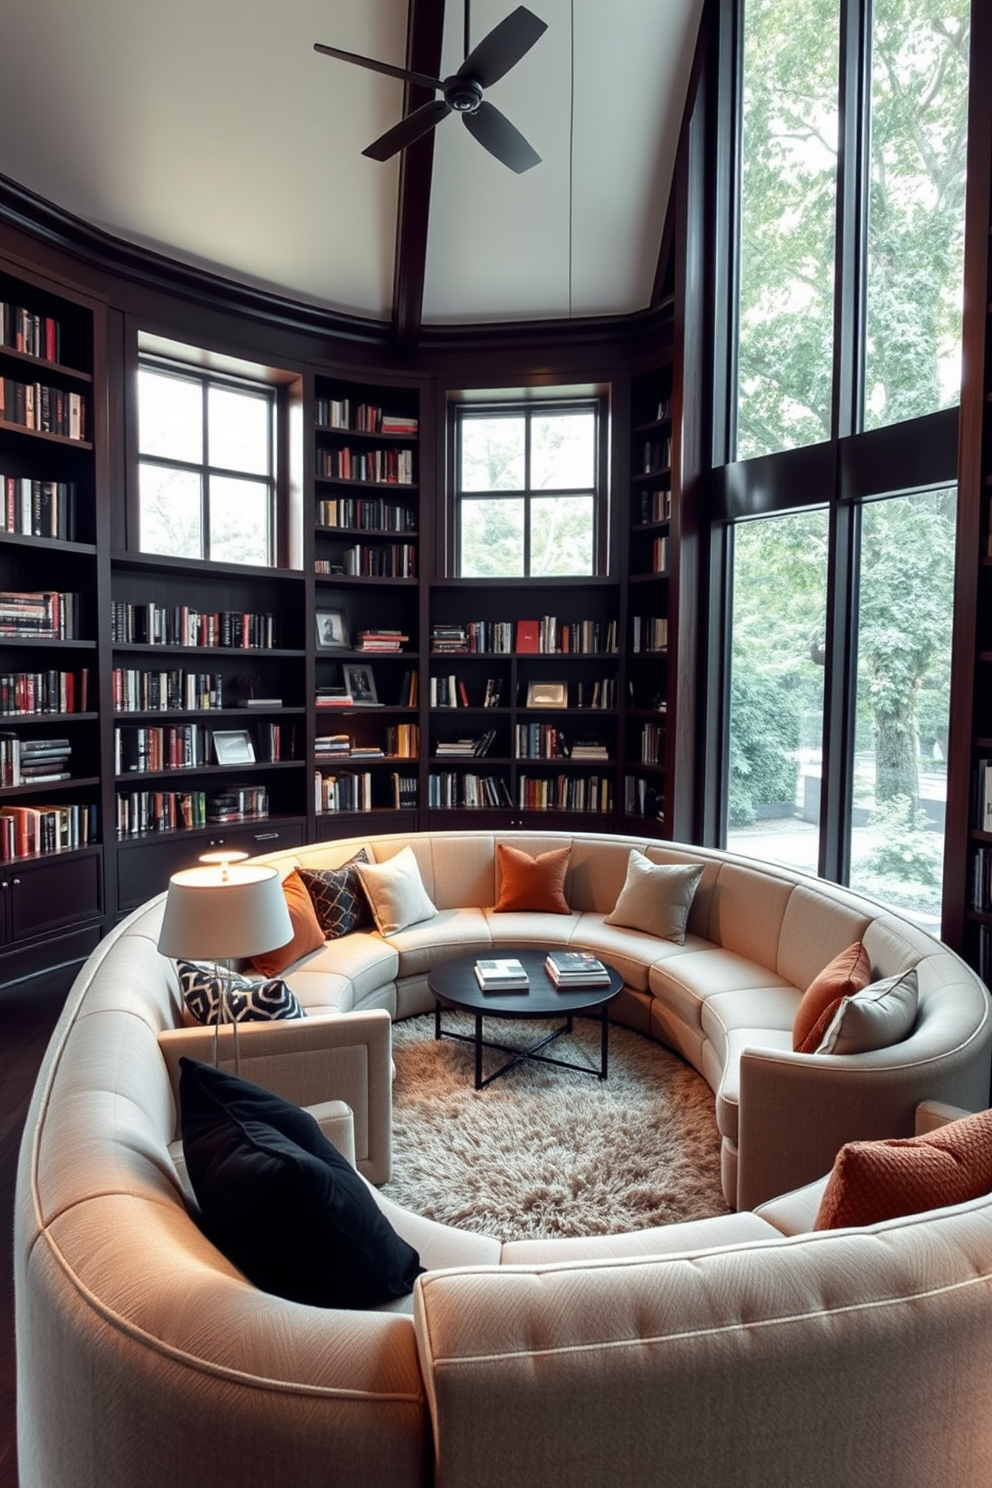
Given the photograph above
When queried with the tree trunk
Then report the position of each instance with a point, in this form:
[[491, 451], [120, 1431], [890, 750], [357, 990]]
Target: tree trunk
[[896, 754]]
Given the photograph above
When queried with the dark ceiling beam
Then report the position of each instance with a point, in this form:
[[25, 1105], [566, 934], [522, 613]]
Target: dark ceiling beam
[[425, 28], [664, 270]]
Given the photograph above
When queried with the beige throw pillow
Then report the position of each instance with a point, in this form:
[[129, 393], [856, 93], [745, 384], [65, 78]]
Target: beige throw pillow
[[875, 1017], [396, 893], [656, 897]]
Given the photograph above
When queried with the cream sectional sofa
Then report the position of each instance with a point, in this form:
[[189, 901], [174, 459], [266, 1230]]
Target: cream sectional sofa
[[738, 1350]]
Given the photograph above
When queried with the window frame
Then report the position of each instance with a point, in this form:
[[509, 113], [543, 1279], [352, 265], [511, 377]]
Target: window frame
[[206, 379], [528, 409]]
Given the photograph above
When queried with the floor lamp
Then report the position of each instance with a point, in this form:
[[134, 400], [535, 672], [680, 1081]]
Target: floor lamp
[[222, 911]]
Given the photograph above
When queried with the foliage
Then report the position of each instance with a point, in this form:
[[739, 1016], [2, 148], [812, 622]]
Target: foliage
[[905, 866], [763, 741], [788, 222]]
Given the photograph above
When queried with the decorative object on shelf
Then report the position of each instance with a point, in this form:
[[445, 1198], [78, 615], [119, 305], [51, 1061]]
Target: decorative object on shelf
[[332, 630], [495, 55], [547, 695], [233, 747], [359, 681], [223, 910]]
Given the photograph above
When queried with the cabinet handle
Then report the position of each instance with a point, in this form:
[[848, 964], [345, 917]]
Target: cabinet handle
[[16, 882], [266, 836]]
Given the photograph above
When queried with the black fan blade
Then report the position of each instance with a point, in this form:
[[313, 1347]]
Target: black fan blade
[[494, 131], [503, 47], [407, 130], [420, 78]]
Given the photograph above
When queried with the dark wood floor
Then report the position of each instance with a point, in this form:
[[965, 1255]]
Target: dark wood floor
[[27, 1017]]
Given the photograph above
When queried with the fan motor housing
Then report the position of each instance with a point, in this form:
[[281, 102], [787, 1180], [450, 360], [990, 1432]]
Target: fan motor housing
[[463, 94]]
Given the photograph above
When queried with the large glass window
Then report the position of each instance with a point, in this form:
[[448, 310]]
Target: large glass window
[[919, 118], [899, 791], [776, 688], [787, 224], [206, 466], [527, 498]]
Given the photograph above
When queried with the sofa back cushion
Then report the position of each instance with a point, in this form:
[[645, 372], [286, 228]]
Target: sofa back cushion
[[848, 972]]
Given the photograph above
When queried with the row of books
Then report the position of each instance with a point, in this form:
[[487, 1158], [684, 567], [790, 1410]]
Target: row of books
[[365, 514], [39, 614], [43, 409], [23, 693], [26, 830], [400, 741], [449, 789], [652, 743], [33, 761], [378, 467], [171, 811], [981, 880], [655, 506], [38, 508], [540, 741], [650, 633], [187, 746], [565, 793], [181, 625], [473, 637], [465, 748], [350, 790], [381, 640], [659, 555], [981, 795], [139, 691], [366, 418], [381, 560], [643, 798], [27, 331], [656, 455], [544, 636]]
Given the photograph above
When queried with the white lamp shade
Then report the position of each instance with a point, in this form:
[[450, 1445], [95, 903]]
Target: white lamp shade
[[215, 914]]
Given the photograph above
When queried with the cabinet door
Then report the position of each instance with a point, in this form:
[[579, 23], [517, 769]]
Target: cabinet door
[[45, 896], [144, 870]]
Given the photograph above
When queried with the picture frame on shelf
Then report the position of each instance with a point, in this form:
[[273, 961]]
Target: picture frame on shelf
[[233, 747], [547, 695], [360, 683], [332, 630]]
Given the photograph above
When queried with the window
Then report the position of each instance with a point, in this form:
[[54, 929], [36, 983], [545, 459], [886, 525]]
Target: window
[[206, 465], [776, 688], [899, 780], [528, 490], [787, 224]]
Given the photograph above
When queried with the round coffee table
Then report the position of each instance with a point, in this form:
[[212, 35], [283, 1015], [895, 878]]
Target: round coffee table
[[454, 984]]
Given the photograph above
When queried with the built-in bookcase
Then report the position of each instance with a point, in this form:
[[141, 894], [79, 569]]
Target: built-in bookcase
[[648, 643], [52, 453]]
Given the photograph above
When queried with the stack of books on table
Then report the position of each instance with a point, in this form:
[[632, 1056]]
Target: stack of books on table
[[501, 975], [576, 969]]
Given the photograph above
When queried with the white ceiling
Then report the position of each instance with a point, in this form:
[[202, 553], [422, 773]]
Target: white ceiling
[[211, 131]]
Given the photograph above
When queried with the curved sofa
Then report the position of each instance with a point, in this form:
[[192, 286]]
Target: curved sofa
[[742, 1349]]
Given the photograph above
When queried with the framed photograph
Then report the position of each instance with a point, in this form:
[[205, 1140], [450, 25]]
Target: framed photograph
[[547, 695], [234, 747], [332, 631], [360, 683]]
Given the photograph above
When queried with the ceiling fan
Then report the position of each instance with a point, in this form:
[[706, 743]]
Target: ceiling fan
[[486, 64]]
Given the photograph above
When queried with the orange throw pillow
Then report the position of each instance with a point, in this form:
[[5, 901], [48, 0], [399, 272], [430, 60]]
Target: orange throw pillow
[[532, 883], [845, 975], [871, 1181], [307, 934]]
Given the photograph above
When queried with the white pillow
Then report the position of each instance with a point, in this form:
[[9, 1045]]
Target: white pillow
[[656, 897], [395, 891], [873, 1018]]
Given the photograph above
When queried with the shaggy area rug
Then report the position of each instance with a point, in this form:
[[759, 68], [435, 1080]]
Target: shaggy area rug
[[546, 1151]]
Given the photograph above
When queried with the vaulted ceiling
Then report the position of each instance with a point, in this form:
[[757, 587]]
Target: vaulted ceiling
[[212, 132]]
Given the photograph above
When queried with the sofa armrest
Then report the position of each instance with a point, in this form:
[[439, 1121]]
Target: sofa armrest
[[338, 1125], [932, 1115], [346, 1057]]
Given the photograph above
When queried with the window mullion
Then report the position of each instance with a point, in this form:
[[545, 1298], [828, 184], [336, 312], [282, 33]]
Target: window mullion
[[850, 289]]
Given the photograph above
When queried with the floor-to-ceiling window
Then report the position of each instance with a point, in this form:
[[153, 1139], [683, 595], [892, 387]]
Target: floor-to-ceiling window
[[842, 359]]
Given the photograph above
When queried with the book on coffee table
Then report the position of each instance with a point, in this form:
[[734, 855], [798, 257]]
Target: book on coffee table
[[576, 969], [502, 975]]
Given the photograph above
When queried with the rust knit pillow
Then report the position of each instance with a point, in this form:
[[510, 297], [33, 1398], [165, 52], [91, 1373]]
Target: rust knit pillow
[[871, 1181], [845, 975], [307, 934], [532, 883]]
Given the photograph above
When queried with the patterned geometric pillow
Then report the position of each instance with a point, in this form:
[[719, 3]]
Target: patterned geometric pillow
[[248, 1002], [338, 897]]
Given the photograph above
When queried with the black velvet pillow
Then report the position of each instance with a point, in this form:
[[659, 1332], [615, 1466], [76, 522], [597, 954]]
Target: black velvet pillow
[[279, 1199]]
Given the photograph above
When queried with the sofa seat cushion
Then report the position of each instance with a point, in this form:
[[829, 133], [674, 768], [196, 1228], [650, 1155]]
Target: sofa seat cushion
[[531, 927], [690, 1234], [438, 1245], [721, 1068], [364, 959], [632, 952], [685, 982], [452, 932], [769, 1008]]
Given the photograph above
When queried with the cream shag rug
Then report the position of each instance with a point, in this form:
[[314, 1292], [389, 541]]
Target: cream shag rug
[[546, 1151]]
